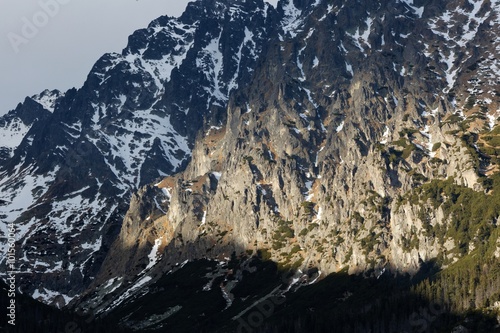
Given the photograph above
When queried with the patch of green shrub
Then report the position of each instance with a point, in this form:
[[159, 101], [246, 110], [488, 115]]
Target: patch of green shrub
[[357, 217], [295, 249], [407, 132], [308, 207], [436, 146]]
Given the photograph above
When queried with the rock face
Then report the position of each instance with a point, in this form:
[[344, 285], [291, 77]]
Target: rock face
[[341, 118], [300, 131]]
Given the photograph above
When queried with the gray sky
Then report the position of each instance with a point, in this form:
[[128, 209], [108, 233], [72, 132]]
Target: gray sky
[[68, 38]]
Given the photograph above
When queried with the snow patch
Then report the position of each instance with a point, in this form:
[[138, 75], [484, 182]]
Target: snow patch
[[20, 192], [153, 255], [48, 99], [309, 96], [315, 62], [385, 136], [291, 20], [47, 296], [160, 70], [492, 118], [361, 39], [13, 134], [166, 191], [204, 218], [130, 292], [247, 41], [446, 25], [217, 175], [419, 11], [212, 64], [349, 68], [213, 128], [340, 127], [319, 215], [132, 145], [309, 195]]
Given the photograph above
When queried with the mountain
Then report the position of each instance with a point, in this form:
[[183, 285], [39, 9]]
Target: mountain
[[309, 154], [72, 161]]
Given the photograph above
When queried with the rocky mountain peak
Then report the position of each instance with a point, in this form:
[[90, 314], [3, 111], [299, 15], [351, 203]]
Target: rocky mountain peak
[[48, 99]]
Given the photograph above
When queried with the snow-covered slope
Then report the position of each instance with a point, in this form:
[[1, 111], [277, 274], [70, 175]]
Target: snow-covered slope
[[66, 177]]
